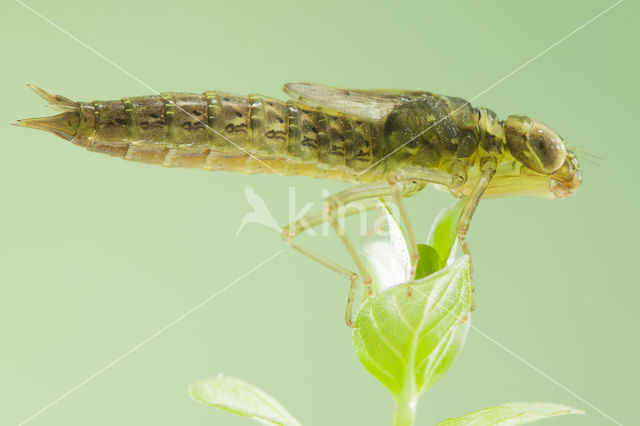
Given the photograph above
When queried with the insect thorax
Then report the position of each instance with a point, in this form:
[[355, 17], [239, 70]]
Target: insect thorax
[[441, 132]]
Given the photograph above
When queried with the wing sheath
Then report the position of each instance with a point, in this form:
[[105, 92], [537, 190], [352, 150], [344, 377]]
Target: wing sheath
[[367, 104]]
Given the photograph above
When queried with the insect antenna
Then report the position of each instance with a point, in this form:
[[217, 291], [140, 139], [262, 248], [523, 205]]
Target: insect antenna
[[588, 157]]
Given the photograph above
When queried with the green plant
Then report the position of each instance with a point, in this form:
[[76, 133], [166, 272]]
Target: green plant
[[407, 335]]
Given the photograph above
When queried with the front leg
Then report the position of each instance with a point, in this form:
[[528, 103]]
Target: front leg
[[487, 170]]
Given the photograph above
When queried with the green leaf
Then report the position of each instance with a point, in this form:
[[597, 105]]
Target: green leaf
[[390, 259], [408, 342], [514, 413], [241, 398], [442, 235], [429, 261]]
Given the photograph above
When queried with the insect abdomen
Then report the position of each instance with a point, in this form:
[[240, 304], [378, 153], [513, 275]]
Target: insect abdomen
[[219, 131], [175, 130], [332, 141]]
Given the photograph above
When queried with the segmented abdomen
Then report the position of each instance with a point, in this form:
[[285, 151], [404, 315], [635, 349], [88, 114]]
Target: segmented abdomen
[[219, 131]]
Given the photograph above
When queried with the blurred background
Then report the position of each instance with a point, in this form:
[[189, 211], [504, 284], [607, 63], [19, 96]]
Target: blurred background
[[97, 255]]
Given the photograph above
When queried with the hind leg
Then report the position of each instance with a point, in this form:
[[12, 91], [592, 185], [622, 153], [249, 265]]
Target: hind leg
[[335, 207]]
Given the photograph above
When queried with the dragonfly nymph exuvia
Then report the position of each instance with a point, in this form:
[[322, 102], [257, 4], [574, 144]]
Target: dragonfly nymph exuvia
[[388, 143]]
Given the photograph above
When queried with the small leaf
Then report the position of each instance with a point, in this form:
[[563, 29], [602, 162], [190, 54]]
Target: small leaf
[[408, 342], [390, 259], [514, 413], [429, 261], [442, 234], [241, 398]]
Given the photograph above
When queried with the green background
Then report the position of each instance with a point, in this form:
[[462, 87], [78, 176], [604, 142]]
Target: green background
[[98, 254]]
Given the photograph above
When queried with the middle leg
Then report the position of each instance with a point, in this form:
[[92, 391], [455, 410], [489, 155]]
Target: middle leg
[[407, 181]]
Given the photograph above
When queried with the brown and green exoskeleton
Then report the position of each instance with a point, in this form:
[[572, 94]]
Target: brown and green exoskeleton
[[389, 143]]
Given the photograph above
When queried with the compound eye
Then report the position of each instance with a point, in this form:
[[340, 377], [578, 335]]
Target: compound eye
[[548, 148], [535, 144]]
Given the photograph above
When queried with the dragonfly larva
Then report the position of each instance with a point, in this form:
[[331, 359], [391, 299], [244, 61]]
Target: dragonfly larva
[[391, 143]]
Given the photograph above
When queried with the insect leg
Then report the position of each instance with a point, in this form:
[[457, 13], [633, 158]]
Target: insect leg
[[488, 169], [406, 181], [332, 207]]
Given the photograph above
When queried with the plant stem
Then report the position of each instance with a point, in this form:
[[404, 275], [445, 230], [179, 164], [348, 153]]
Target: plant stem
[[404, 411]]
